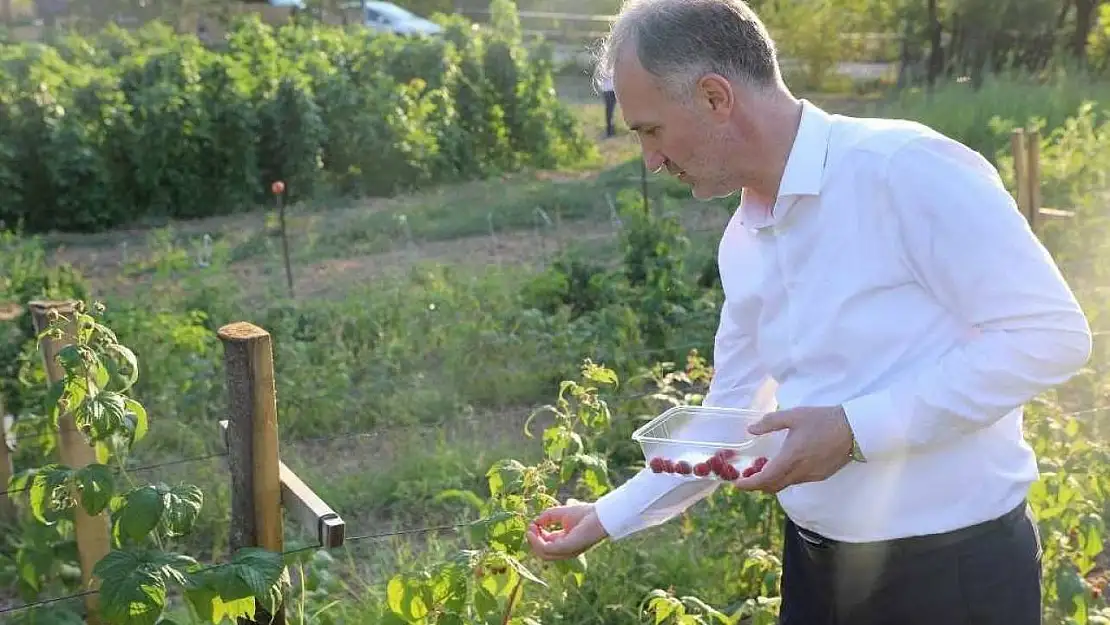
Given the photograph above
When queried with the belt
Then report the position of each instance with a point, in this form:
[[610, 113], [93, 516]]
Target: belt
[[920, 543]]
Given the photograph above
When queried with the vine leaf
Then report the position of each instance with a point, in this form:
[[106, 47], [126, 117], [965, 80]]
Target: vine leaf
[[180, 508], [96, 486], [138, 424], [133, 584], [136, 513], [47, 493]]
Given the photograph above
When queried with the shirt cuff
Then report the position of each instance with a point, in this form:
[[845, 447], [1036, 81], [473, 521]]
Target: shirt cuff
[[637, 504], [875, 425]]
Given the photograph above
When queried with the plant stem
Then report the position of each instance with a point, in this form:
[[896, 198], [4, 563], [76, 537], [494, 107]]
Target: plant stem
[[512, 603]]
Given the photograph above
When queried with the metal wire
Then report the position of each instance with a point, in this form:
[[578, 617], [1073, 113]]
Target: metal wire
[[149, 467]]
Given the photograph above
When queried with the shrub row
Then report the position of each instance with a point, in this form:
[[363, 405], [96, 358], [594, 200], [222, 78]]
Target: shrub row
[[123, 125]]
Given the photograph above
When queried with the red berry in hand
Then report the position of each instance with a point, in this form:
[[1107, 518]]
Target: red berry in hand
[[657, 464], [701, 469], [726, 454], [278, 187], [683, 468], [730, 472], [748, 472], [759, 463]]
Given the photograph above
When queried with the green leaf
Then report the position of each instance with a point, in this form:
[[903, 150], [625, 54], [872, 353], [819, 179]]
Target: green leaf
[[103, 415], [48, 494], [139, 512], [139, 422], [575, 568], [598, 374], [100, 375], [180, 508], [263, 572], [524, 572], [131, 365], [408, 598], [96, 485], [133, 587], [595, 474], [103, 452], [53, 396], [506, 476], [219, 593]]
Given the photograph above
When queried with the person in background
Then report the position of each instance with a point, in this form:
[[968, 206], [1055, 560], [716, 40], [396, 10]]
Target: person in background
[[610, 98], [885, 305]]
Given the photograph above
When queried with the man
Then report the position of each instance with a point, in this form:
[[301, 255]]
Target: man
[[884, 293]]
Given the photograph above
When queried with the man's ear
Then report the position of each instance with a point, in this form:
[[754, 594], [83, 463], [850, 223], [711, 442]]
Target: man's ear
[[716, 94]]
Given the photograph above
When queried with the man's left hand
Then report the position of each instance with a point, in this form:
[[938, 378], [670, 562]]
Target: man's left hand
[[818, 443]]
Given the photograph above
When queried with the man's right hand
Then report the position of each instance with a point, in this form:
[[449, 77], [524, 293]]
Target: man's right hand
[[579, 530]]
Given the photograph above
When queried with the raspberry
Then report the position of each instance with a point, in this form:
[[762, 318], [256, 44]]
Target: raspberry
[[701, 469], [726, 454], [750, 471], [730, 472], [716, 464], [759, 463], [683, 468], [668, 466], [657, 464]]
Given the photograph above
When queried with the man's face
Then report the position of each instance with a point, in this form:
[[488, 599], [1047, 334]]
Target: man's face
[[688, 139]]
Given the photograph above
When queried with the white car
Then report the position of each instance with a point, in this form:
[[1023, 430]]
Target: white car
[[388, 17]]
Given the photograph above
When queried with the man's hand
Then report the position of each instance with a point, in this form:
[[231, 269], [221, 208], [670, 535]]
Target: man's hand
[[818, 443], [579, 529]]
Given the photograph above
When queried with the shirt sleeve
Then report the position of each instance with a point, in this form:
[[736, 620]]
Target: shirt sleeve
[[968, 245], [649, 499]]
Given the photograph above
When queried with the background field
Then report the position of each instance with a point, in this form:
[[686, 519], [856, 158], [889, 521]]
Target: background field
[[449, 274]]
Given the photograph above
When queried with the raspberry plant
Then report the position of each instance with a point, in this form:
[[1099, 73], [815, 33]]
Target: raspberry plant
[[135, 577], [485, 582]]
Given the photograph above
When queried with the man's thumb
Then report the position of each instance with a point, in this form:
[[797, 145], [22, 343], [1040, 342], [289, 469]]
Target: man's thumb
[[771, 422]]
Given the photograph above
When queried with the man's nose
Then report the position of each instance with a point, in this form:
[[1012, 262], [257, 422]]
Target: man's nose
[[653, 160]]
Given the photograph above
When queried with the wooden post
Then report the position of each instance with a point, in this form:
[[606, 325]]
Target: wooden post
[[1019, 153], [8, 515], [1033, 177], [305, 506], [252, 436], [93, 532], [7, 507]]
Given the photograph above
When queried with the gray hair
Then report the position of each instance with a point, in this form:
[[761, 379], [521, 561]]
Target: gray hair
[[678, 41]]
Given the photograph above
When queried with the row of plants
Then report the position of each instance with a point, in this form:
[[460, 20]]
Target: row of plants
[[103, 130]]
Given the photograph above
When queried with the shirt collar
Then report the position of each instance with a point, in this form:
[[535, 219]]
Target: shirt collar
[[804, 171]]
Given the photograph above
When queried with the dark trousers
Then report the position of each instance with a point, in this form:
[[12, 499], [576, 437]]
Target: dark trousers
[[987, 574]]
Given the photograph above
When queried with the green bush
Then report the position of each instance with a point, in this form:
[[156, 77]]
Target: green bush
[[99, 131]]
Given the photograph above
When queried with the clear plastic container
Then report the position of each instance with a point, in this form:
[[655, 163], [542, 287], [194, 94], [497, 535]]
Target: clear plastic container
[[689, 438]]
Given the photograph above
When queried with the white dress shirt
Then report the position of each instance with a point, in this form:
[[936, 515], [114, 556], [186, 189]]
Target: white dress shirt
[[896, 277]]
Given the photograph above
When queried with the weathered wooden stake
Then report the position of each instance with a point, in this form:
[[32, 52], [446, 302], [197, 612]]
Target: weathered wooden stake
[[7, 506], [93, 532], [1033, 177], [8, 514], [1019, 153], [256, 515]]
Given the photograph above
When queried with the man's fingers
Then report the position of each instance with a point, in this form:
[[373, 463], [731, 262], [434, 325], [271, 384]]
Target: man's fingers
[[771, 479], [558, 514], [555, 545], [771, 422]]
